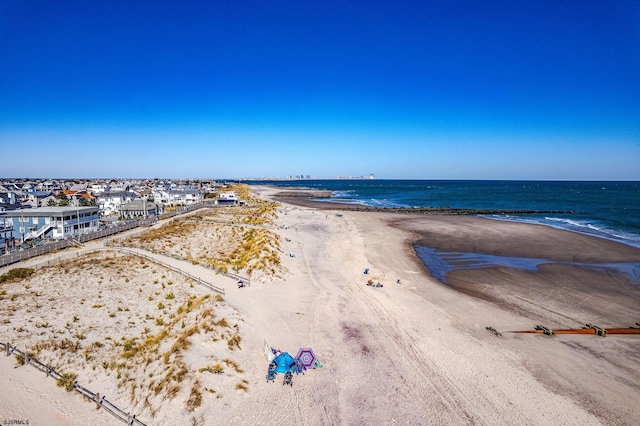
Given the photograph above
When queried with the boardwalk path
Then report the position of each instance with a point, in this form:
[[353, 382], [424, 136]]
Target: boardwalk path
[[197, 272]]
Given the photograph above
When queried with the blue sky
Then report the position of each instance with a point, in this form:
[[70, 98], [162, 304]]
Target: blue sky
[[545, 89]]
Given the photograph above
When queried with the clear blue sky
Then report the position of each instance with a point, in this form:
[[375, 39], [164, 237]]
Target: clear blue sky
[[546, 89]]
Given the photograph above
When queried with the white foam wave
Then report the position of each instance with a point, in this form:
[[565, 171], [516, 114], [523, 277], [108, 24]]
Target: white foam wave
[[584, 227], [349, 193]]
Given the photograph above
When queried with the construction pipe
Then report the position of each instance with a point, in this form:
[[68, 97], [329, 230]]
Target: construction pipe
[[623, 330], [581, 331]]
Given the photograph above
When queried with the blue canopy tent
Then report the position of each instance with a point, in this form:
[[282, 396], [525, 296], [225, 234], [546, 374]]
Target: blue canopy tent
[[284, 362]]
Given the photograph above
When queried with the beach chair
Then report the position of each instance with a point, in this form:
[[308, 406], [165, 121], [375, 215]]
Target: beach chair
[[271, 375], [288, 379]]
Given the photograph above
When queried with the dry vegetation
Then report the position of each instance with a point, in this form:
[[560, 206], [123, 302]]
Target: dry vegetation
[[125, 327], [230, 239]]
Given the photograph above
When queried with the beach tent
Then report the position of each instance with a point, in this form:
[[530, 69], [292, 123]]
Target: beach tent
[[284, 362]]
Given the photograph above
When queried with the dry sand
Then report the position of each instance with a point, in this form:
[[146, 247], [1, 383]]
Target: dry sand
[[410, 353]]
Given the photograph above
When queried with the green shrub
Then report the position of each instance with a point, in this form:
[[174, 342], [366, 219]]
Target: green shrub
[[20, 359], [16, 274], [67, 381]]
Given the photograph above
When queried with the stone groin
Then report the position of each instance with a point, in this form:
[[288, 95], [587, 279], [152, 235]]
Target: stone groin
[[311, 199], [311, 194], [444, 210]]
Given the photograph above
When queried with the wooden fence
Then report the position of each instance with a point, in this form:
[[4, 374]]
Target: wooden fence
[[18, 256], [102, 402]]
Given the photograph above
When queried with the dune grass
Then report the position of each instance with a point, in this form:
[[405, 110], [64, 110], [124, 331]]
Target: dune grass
[[95, 296], [228, 239]]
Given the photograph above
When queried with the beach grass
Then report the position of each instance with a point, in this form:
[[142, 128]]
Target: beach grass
[[97, 293], [229, 239]]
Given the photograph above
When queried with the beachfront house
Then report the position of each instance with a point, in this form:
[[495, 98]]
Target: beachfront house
[[188, 196], [141, 209], [178, 196], [110, 203], [228, 197], [51, 222]]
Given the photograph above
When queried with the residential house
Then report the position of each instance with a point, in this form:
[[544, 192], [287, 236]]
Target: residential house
[[6, 234], [110, 203], [52, 222], [120, 186], [78, 198], [228, 197], [99, 188], [48, 186], [8, 198], [37, 198], [178, 196], [141, 209], [79, 187]]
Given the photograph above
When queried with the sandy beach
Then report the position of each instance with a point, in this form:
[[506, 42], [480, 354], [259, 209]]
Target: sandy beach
[[417, 352]]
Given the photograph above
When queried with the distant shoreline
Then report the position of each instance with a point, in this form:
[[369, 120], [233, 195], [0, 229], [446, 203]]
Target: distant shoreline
[[322, 199], [310, 197]]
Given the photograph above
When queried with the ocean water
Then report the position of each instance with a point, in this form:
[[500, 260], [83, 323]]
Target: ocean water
[[609, 209]]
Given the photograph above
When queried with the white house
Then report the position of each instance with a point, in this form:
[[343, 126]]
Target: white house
[[179, 196], [99, 188], [228, 197], [111, 203]]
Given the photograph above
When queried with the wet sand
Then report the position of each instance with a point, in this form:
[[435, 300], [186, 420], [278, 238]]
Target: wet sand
[[599, 373]]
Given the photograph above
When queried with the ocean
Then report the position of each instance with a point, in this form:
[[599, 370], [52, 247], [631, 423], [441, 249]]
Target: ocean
[[607, 209]]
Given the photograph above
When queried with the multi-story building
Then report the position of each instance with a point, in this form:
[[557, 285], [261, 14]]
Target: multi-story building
[[111, 203], [51, 222], [179, 196]]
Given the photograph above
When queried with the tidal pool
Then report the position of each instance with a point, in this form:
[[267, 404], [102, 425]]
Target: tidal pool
[[440, 263]]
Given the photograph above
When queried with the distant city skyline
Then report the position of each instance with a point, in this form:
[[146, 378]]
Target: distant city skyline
[[541, 90]]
